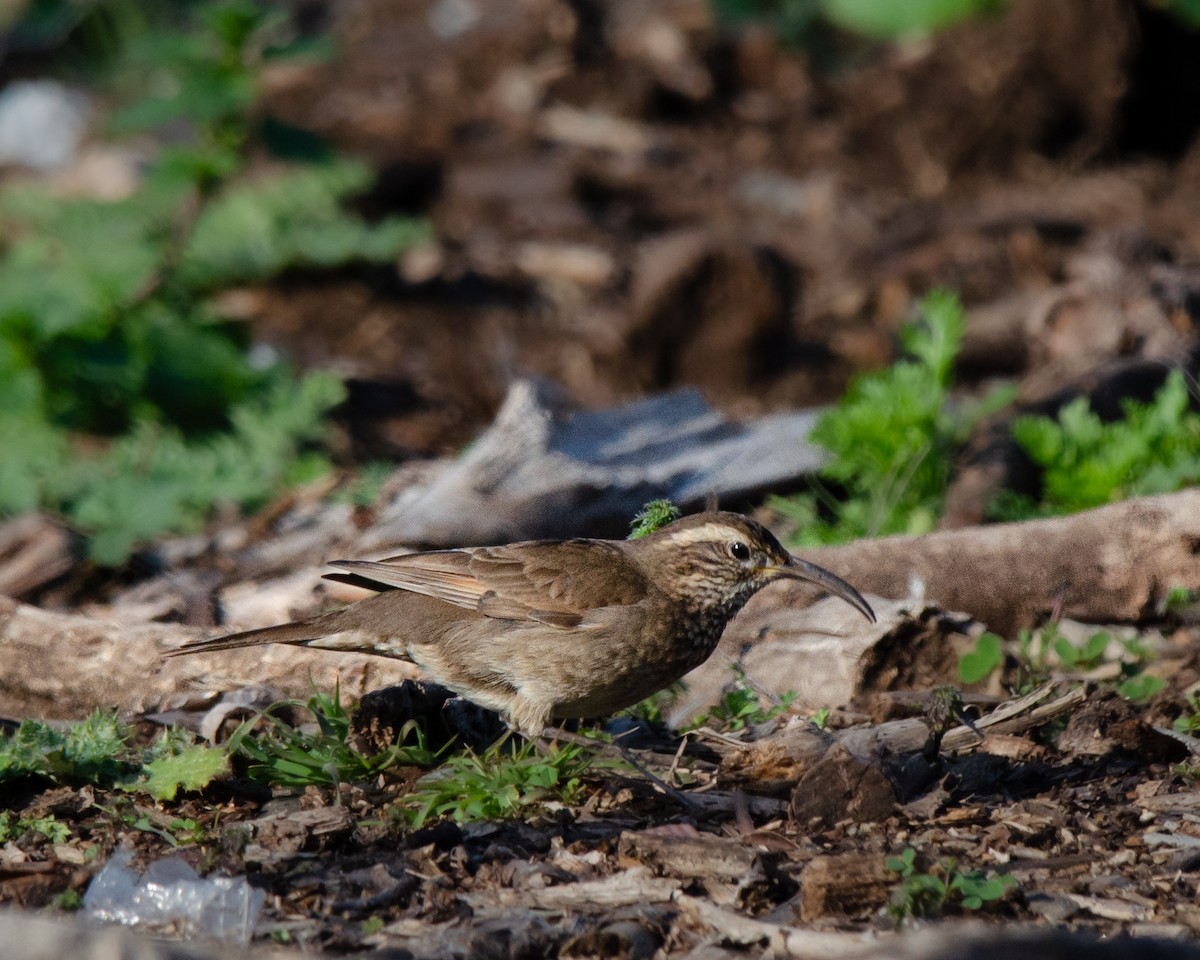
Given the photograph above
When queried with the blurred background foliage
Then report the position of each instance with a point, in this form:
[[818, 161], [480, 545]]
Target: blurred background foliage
[[133, 405], [797, 22], [127, 401]]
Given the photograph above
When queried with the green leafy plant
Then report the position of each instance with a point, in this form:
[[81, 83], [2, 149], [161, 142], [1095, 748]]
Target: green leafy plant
[[187, 831], [95, 750], [498, 784], [1187, 11], [1036, 646], [1134, 685], [1086, 656], [891, 439], [982, 660], [820, 719], [99, 751], [1141, 687], [366, 486], [1178, 597], [193, 768], [741, 707], [68, 901], [1033, 657], [13, 827], [173, 830], [257, 228], [887, 19], [653, 516], [155, 479], [798, 22], [292, 757], [1086, 462], [1189, 721], [944, 886]]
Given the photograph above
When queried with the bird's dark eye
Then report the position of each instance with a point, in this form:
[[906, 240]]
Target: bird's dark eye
[[739, 550]]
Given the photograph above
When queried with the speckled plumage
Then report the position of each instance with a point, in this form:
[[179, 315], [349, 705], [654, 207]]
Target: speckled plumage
[[556, 629]]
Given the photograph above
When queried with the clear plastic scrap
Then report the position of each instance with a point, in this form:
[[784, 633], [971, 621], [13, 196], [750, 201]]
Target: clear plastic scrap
[[170, 897]]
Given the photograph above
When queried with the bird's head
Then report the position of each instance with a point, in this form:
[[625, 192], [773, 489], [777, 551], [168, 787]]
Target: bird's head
[[719, 559]]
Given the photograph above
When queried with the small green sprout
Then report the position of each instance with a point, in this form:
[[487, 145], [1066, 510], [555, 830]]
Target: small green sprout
[[653, 516], [944, 886], [985, 658], [497, 784]]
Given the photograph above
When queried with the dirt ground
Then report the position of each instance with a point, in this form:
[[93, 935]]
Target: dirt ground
[[626, 198]]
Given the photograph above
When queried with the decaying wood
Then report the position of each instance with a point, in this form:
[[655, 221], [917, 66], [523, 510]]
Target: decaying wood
[[62, 666], [700, 857], [775, 763], [716, 802], [1015, 717], [844, 785], [632, 886], [850, 885], [283, 835], [541, 471], [856, 772], [1107, 722], [513, 935]]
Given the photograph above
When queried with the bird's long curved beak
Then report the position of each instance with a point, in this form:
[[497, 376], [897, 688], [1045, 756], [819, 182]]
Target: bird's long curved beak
[[797, 569]]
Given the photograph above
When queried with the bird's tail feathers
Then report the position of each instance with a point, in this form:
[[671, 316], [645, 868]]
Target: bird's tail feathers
[[300, 632]]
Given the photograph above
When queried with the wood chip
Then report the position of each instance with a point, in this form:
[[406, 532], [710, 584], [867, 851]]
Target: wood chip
[[851, 885], [700, 857], [1109, 908], [778, 940], [636, 885]]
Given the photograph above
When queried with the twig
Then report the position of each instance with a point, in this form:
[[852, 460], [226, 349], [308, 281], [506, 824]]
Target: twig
[[1015, 717]]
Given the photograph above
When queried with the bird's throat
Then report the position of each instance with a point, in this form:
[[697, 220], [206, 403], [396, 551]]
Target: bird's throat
[[703, 624]]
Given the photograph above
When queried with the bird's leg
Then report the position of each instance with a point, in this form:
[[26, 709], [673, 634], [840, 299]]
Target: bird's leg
[[552, 735]]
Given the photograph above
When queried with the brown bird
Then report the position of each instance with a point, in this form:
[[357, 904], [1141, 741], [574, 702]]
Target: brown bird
[[553, 629]]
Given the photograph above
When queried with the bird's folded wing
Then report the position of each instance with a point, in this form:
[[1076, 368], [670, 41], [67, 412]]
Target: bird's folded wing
[[555, 583], [442, 574], [507, 609], [567, 576]]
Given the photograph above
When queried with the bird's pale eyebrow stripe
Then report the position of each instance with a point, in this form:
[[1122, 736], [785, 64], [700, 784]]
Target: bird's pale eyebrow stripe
[[707, 533]]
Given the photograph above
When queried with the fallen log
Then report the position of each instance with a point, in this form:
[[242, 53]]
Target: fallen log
[[60, 666], [1113, 564], [1110, 565], [542, 470]]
